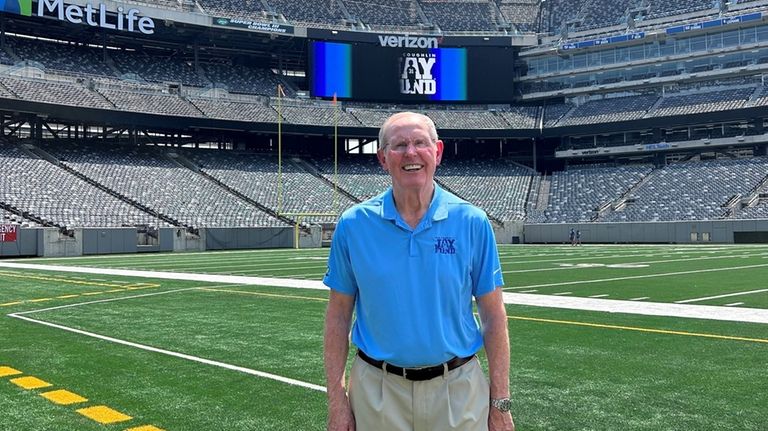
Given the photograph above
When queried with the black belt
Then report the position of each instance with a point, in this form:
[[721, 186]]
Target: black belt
[[416, 374]]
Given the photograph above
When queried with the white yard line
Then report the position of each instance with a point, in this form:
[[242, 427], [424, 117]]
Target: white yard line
[[590, 304], [287, 380], [576, 266], [734, 304], [213, 278], [642, 298], [177, 354], [727, 295], [635, 277], [709, 312]]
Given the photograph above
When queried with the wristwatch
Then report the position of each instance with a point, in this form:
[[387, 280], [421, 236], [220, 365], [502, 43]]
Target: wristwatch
[[502, 404]]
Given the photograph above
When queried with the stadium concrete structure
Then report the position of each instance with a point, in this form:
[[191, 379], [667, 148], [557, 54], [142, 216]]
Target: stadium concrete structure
[[210, 124]]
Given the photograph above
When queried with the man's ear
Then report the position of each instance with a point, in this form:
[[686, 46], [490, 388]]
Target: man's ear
[[380, 154], [439, 156]]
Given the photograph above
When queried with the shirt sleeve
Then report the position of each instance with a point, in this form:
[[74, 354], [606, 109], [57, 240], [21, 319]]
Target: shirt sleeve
[[486, 268], [340, 276]]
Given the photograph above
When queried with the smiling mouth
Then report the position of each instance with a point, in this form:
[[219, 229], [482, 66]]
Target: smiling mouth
[[411, 168]]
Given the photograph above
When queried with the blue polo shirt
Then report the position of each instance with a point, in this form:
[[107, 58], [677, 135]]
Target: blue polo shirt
[[414, 287]]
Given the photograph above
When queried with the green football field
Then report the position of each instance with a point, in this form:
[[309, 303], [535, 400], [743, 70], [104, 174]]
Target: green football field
[[196, 348]]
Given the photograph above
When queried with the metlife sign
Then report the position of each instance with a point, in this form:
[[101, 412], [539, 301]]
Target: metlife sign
[[96, 15]]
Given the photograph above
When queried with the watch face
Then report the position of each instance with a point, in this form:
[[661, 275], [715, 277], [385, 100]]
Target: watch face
[[503, 404]]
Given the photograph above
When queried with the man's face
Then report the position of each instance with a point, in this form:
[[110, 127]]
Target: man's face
[[410, 157]]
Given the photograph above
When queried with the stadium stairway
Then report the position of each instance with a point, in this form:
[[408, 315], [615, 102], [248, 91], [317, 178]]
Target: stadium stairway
[[33, 217], [42, 154], [304, 165], [625, 199], [189, 164], [544, 187], [750, 199]]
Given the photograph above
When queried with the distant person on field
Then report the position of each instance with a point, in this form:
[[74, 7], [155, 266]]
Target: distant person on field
[[408, 263], [578, 237], [572, 236]]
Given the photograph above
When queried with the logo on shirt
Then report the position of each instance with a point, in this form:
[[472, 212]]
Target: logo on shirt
[[445, 245]]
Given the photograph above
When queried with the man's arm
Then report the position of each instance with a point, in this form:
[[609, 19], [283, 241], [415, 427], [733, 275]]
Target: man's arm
[[338, 319], [493, 316]]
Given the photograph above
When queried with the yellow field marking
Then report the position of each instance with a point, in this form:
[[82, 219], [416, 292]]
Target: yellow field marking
[[266, 294], [92, 293], [8, 304], [8, 371], [145, 428], [63, 397], [632, 328], [122, 286], [56, 279], [68, 296], [30, 383], [104, 415], [40, 300]]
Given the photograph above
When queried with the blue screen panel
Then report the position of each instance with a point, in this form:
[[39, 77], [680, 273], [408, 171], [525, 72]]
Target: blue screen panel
[[450, 72], [333, 69]]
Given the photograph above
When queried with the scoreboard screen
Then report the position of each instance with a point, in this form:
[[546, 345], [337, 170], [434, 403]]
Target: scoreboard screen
[[369, 72]]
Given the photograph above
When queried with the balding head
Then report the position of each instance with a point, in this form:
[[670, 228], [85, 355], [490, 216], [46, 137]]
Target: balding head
[[427, 122]]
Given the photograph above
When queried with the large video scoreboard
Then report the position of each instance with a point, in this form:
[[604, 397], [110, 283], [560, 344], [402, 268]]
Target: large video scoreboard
[[395, 72]]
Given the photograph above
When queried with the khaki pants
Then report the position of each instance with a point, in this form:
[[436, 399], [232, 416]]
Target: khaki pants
[[458, 401]]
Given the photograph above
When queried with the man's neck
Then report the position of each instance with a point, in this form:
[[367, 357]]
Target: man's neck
[[413, 204]]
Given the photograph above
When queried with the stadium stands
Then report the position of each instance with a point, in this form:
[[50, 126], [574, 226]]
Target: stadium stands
[[497, 186], [386, 14], [150, 102], [248, 80], [522, 117], [256, 176], [576, 193], [759, 211], [242, 9], [62, 93], [252, 111], [173, 69], [610, 110], [459, 119], [59, 197], [307, 113], [702, 101], [524, 14], [452, 15], [361, 176], [150, 177], [60, 56], [316, 12], [691, 190]]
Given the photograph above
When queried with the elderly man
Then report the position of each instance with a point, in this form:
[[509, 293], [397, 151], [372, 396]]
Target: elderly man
[[408, 262]]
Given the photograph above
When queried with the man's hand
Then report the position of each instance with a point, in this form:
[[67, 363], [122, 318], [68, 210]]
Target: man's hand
[[500, 421], [340, 416]]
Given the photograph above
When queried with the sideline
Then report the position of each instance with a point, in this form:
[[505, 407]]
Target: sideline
[[186, 276], [693, 311]]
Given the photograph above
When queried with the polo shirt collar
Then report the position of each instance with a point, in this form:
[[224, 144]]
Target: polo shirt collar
[[437, 208]]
